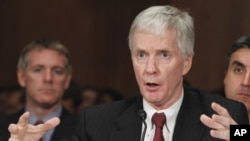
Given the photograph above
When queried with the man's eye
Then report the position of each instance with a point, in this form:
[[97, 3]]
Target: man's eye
[[238, 70], [59, 71], [141, 55], [165, 54], [37, 69]]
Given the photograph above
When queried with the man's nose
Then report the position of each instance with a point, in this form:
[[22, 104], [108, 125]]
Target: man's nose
[[48, 76], [246, 79], [151, 66]]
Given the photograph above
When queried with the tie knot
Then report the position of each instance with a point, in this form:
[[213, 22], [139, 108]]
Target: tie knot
[[159, 119], [38, 122]]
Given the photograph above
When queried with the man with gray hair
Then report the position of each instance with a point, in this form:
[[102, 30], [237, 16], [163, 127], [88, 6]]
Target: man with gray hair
[[161, 42]]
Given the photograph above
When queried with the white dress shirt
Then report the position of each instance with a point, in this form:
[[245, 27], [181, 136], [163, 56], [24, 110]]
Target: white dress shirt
[[171, 115]]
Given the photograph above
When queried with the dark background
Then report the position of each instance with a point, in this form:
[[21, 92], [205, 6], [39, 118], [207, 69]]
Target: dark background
[[95, 31]]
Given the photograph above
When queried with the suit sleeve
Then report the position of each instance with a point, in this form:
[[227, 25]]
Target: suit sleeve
[[240, 114], [80, 134]]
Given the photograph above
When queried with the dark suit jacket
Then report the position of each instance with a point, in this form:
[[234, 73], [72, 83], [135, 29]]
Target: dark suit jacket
[[119, 121], [63, 131]]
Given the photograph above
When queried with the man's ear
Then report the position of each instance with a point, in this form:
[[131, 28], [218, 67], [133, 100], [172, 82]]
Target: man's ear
[[21, 77], [187, 64]]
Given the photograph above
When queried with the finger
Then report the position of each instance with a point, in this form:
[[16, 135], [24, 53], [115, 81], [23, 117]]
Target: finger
[[224, 134], [220, 109], [13, 128], [225, 117], [225, 121], [11, 139], [23, 120], [209, 122], [51, 123]]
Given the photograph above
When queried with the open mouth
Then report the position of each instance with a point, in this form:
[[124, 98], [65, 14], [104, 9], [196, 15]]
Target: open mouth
[[152, 84]]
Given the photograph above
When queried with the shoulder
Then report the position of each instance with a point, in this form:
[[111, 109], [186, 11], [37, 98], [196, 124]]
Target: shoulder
[[207, 97], [111, 111], [203, 100], [66, 116], [116, 106], [12, 118]]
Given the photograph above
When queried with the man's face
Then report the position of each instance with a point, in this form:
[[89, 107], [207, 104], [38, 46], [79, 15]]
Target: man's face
[[45, 77], [237, 79], [159, 67]]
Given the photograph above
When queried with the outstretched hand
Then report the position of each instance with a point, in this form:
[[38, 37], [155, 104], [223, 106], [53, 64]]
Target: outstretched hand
[[22, 131], [219, 123]]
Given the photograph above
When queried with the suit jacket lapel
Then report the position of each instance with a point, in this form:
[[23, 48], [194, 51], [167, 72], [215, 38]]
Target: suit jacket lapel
[[188, 120], [66, 127], [128, 124]]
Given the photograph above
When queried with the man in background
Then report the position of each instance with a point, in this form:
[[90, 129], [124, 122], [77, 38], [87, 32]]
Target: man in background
[[236, 82], [44, 71], [237, 79]]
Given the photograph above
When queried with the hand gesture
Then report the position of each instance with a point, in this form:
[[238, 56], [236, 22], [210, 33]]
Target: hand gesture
[[22, 131], [220, 122]]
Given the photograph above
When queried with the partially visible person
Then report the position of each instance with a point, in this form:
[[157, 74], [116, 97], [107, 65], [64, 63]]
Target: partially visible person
[[71, 96], [11, 99], [236, 81], [3, 102], [237, 78], [89, 96], [15, 99], [44, 71], [161, 41], [109, 95]]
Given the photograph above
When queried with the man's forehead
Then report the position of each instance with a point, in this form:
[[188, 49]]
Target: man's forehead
[[241, 57], [36, 57]]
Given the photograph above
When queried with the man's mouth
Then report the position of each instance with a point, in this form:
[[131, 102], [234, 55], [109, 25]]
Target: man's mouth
[[244, 94], [152, 84], [47, 91]]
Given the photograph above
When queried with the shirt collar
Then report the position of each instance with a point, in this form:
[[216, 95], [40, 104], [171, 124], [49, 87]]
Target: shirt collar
[[171, 113], [56, 113]]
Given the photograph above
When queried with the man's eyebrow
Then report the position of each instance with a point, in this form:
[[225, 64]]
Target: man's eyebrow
[[238, 63], [59, 67]]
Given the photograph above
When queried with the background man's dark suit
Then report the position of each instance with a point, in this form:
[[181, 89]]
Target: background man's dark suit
[[119, 121], [64, 130]]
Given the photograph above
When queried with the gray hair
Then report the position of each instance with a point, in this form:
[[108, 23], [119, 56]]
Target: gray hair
[[156, 19], [42, 44]]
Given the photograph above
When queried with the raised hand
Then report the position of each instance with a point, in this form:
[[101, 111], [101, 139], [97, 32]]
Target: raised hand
[[220, 122], [22, 131]]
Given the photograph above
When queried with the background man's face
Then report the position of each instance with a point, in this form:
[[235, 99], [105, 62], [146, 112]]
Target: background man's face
[[237, 79], [45, 77]]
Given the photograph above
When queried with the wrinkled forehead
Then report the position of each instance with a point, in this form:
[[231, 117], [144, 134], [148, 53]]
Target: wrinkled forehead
[[166, 38]]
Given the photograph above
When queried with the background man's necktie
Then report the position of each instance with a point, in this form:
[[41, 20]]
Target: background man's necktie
[[159, 120], [37, 123]]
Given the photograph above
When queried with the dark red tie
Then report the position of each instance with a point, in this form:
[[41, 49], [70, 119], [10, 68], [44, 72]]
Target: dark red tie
[[159, 120], [37, 123]]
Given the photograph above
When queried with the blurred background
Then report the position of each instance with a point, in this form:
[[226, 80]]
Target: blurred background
[[95, 31]]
